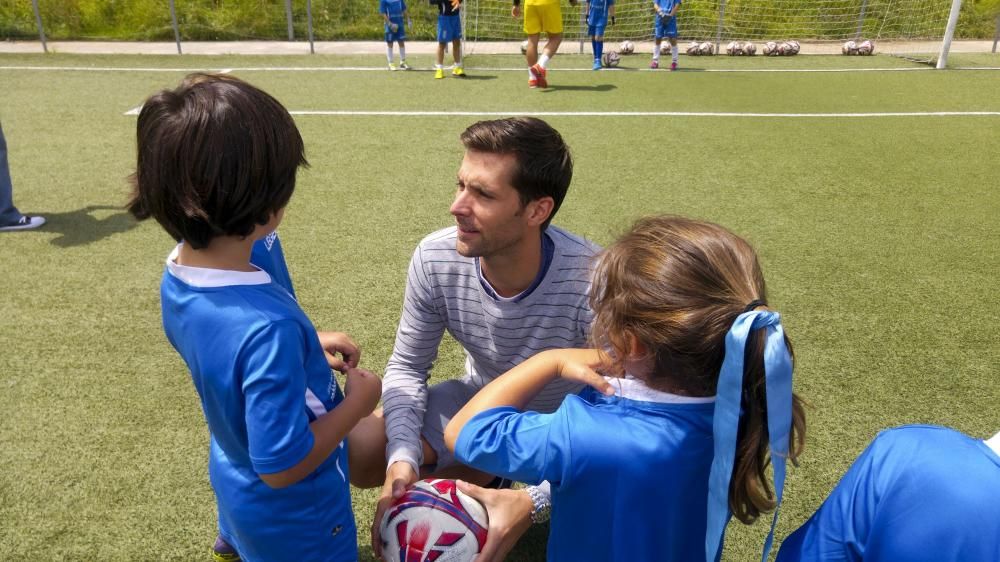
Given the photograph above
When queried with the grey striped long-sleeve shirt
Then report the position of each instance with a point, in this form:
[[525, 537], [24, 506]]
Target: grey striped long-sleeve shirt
[[444, 292]]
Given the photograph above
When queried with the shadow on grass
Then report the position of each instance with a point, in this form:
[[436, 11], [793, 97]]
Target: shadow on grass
[[81, 227], [570, 88]]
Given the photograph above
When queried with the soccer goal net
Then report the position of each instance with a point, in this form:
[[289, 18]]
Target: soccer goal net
[[901, 27]]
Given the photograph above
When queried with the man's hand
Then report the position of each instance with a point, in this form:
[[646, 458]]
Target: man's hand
[[339, 342], [510, 517], [399, 475]]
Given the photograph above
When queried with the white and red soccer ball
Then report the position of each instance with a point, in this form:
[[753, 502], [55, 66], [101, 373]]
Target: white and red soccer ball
[[433, 522], [626, 47], [610, 59]]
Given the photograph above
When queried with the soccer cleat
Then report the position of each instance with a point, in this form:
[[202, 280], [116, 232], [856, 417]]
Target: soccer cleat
[[392, 66], [673, 66], [655, 64], [439, 73], [403, 65], [24, 223], [597, 64], [540, 72], [224, 552], [532, 83], [458, 71]]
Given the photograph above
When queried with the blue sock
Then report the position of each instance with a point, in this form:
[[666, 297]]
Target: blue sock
[[597, 49]]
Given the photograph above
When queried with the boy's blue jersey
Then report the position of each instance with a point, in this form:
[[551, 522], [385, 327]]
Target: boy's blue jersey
[[629, 476], [268, 255], [666, 5], [393, 8], [262, 377], [597, 12], [917, 493]]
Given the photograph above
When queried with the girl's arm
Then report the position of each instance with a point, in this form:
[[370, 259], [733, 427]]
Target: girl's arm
[[519, 385]]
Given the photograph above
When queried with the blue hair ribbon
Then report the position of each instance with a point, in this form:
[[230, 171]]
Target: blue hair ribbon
[[778, 384]]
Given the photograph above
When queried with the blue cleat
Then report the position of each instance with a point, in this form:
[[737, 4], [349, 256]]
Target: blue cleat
[[597, 64]]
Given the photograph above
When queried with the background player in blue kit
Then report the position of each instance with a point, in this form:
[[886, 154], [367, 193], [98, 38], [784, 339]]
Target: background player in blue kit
[[641, 470], [276, 416], [599, 12], [917, 493], [395, 14], [449, 29], [665, 27]]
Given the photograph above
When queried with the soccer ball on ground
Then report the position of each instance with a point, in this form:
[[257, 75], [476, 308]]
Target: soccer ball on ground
[[665, 48], [793, 47], [749, 49], [866, 47], [706, 48], [432, 520], [627, 48], [770, 48], [610, 59], [524, 47], [694, 48], [734, 48], [849, 48]]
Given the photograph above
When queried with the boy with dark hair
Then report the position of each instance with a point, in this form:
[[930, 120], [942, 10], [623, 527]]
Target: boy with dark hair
[[395, 17], [217, 160], [449, 30]]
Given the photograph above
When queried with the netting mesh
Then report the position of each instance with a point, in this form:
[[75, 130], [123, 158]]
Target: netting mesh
[[725, 20]]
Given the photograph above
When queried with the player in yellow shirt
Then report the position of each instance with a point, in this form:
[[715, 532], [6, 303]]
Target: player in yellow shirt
[[541, 16]]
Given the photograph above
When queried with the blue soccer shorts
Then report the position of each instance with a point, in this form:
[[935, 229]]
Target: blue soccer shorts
[[449, 28], [399, 34], [665, 27]]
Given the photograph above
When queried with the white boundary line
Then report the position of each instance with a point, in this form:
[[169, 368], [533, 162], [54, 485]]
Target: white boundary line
[[348, 113], [502, 69]]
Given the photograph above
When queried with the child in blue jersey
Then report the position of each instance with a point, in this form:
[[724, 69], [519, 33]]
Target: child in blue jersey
[[665, 27], [449, 30], [917, 493], [217, 160], [395, 15], [599, 12], [651, 465]]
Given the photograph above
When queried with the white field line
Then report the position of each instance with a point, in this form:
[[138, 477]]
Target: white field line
[[473, 69], [347, 113]]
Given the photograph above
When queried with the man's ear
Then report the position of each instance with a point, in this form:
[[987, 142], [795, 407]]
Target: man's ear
[[539, 210]]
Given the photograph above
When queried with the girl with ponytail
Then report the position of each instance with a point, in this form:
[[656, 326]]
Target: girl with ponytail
[[690, 401]]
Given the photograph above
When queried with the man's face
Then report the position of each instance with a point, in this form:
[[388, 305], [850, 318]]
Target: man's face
[[487, 207]]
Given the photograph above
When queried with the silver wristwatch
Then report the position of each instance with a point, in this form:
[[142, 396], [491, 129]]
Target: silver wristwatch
[[541, 504]]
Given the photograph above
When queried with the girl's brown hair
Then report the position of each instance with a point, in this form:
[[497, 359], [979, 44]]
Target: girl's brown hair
[[677, 285]]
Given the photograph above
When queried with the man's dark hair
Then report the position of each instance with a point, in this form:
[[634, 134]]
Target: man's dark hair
[[544, 166], [216, 157]]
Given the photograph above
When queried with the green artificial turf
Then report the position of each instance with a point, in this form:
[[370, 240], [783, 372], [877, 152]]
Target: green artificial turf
[[878, 237]]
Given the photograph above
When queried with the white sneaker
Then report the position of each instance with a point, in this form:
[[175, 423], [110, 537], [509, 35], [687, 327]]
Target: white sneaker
[[24, 223]]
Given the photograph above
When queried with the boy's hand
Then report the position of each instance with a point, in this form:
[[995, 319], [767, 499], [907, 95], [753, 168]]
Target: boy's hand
[[362, 388], [581, 365], [397, 478], [394, 27], [455, 4], [510, 516], [339, 342], [515, 11]]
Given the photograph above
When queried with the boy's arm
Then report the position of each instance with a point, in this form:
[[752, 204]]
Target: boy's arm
[[361, 395], [518, 386], [673, 9]]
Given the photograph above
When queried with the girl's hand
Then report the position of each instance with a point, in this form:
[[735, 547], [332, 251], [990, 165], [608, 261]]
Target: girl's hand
[[582, 365]]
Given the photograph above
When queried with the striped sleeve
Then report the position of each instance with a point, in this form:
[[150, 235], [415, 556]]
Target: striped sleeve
[[404, 388]]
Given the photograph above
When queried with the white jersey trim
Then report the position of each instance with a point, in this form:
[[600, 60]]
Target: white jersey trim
[[314, 404], [994, 443], [634, 389], [205, 277]]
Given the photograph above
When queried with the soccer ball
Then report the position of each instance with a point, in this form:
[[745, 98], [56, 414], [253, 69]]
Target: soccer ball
[[694, 49], [734, 48], [524, 47], [866, 47], [626, 48], [771, 48], [706, 48], [850, 48], [432, 520], [610, 59], [665, 48], [795, 47], [749, 49]]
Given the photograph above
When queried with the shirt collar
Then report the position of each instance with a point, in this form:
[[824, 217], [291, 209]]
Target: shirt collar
[[204, 277], [635, 389]]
